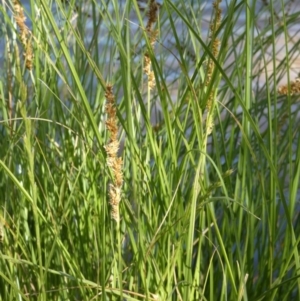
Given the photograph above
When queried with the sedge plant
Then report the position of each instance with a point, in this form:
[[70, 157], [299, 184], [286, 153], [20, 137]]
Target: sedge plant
[[149, 150]]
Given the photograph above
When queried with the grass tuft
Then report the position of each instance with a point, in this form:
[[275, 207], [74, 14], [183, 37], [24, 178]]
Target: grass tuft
[[149, 150]]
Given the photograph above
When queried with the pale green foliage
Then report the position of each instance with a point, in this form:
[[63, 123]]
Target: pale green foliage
[[205, 213]]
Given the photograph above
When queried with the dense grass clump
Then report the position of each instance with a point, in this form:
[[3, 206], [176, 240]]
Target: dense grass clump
[[149, 151]]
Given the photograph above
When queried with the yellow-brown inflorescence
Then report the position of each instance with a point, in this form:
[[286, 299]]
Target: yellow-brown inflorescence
[[114, 162], [24, 33], [293, 88], [152, 34], [215, 44]]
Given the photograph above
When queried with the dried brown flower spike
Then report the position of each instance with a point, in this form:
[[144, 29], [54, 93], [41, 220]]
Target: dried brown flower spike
[[294, 88], [113, 161], [152, 34], [24, 33]]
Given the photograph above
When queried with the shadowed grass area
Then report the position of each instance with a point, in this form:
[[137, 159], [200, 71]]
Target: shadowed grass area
[[149, 151]]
